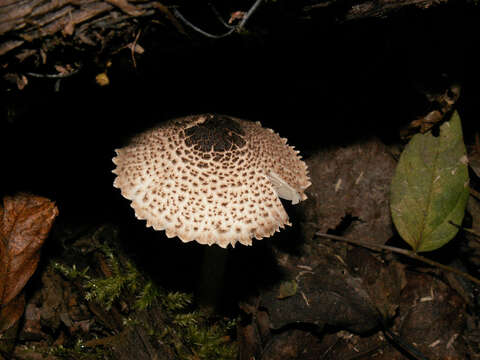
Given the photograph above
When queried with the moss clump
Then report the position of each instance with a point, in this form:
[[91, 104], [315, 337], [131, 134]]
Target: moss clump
[[148, 296], [206, 339], [104, 290], [78, 351], [190, 333], [201, 337]]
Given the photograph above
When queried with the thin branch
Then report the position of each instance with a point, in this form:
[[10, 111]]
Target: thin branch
[[232, 29], [249, 13], [197, 29], [409, 253], [56, 76], [475, 193], [470, 231], [133, 48]]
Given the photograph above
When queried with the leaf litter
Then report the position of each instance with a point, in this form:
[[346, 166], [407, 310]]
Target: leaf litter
[[25, 221], [370, 296]]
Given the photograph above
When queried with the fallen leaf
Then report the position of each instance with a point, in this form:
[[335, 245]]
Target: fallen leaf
[[25, 54], [25, 221], [431, 312], [68, 29], [10, 313], [64, 70], [20, 80], [441, 102], [331, 294], [430, 187], [287, 289]]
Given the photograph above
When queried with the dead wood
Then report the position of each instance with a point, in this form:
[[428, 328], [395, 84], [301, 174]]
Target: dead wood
[[75, 23], [81, 22]]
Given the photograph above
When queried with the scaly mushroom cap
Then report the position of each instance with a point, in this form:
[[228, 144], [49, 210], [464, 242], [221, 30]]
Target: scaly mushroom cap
[[211, 178]]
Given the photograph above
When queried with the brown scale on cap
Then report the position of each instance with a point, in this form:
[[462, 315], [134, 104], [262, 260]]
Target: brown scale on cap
[[211, 178]]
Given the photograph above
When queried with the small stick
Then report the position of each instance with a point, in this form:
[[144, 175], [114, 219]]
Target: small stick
[[197, 29], [473, 232], [475, 193], [232, 29], [409, 253], [56, 76], [133, 48], [249, 13]]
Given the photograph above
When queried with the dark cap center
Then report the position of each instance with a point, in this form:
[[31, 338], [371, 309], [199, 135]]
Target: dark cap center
[[218, 132]]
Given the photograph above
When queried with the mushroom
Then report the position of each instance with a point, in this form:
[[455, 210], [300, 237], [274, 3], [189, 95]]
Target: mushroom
[[211, 178]]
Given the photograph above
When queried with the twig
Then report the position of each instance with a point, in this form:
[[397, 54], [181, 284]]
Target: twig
[[409, 253], [169, 16], [410, 349], [10, 45], [133, 48], [475, 193], [470, 231], [249, 13], [197, 29], [477, 143], [232, 29], [55, 76], [126, 7]]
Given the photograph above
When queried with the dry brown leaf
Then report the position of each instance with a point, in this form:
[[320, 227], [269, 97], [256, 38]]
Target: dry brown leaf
[[10, 313], [68, 29], [20, 80], [64, 70], [25, 221]]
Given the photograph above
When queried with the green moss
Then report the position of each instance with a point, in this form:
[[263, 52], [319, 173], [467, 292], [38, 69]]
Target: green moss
[[70, 272], [147, 296], [204, 339], [175, 301], [78, 351], [104, 291], [191, 333], [201, 337]]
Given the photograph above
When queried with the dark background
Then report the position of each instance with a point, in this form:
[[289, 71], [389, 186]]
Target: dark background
[[314, 80]]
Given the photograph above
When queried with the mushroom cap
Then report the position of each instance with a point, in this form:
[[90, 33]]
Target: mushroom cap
[[211, 178]]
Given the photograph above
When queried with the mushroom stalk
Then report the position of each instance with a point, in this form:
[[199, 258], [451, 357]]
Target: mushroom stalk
[[212, 276]]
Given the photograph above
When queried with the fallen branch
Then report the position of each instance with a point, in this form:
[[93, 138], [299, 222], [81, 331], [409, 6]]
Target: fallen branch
[[231, 30], [408, 253]]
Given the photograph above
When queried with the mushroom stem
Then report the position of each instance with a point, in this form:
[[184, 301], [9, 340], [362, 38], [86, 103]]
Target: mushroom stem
[[210, 284]]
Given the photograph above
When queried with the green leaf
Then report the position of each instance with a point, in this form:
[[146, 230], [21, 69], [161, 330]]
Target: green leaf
[[430, 187]]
